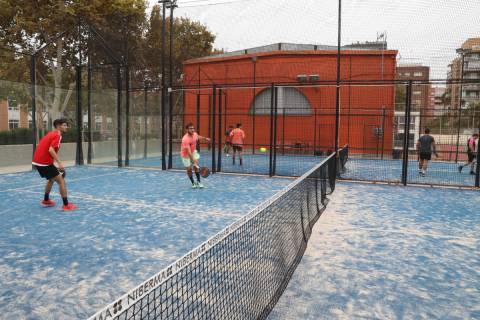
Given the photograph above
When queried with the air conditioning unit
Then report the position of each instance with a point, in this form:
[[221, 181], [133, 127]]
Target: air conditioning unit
[[302, 78]]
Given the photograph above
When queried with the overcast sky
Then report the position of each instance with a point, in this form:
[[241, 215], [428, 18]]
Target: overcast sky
[[423, 31]]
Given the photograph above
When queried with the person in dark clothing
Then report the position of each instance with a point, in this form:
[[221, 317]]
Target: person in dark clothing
[[425, 148]]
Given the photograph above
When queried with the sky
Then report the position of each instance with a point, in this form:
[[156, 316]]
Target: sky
[[423, 31]]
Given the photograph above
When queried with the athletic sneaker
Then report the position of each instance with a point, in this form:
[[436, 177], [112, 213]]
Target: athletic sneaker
[[472, 173], [48, 203], [460, 169], [195, 185], [199, 185], [69, 207]]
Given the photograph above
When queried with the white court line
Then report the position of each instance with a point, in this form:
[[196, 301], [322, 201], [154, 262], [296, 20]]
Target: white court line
[[399, 231], [148, 207], [69, 180]]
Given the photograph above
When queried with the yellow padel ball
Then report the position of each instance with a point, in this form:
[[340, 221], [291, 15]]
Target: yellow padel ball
[[263, 149]]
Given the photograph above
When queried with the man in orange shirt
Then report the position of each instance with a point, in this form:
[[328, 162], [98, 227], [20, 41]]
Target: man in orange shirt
[[238, 137], [190, 155], [45, 155]]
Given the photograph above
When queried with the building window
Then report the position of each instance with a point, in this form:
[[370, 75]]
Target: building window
[[417, 92], [13, 124], [12, 104], [290, 102], [407, 74], [417, 74]]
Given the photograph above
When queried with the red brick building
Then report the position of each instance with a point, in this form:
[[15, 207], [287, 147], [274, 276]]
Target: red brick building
[[306, 113]]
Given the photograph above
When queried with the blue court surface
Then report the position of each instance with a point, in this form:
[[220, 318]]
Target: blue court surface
[[438, 172], [387, 170], [287, 165], [390, 252], [130, 224]]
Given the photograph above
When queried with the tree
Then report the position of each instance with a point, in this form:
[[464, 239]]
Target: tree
[[52, 25], [191, 40]]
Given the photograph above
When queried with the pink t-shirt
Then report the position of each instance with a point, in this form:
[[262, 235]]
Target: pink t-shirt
[[237, 135], [189, 141]]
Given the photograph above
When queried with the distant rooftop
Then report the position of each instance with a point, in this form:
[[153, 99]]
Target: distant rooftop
[[471, 43], [282, 46]]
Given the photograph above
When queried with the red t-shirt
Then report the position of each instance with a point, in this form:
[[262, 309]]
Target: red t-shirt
[[42, 157]]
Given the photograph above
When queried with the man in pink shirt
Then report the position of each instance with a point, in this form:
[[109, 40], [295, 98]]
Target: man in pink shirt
[[238, 136], [190, 155]]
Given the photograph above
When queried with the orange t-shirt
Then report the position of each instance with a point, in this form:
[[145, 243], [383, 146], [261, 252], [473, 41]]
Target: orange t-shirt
[[237, 135], [189, 141]]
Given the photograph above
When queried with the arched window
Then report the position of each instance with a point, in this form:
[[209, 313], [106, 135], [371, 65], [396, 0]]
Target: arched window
[[290, 102]]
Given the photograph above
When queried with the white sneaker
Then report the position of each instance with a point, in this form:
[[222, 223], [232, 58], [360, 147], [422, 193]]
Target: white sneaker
[[199, 185], [195, 185]]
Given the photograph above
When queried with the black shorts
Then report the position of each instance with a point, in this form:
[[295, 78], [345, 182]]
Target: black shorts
[[471, 156], [237, 147], [425, 156], [48, 172]]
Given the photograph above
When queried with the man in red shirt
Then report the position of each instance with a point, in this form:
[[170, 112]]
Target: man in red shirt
[[45, 155], [238, 136], [190, 155]]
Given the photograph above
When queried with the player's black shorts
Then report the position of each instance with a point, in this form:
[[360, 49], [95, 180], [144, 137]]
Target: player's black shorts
[[425, 156], [237, 147], [48, 172], [471, 156]]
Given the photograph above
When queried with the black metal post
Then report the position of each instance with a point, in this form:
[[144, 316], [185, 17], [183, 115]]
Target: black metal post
[[164, 162], [337, 99], [33, 93], [383, 131], [198, 118], [314, 132], [170, 69], [406, 135], [275, 112], [283, 131], [89, 111], [170, 128], [254, 60], [460, 106], [79, 153], [272, 106], [119, 116], [214, 97], [145, 118], [220, 133], [127, 115], [477, 171]]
